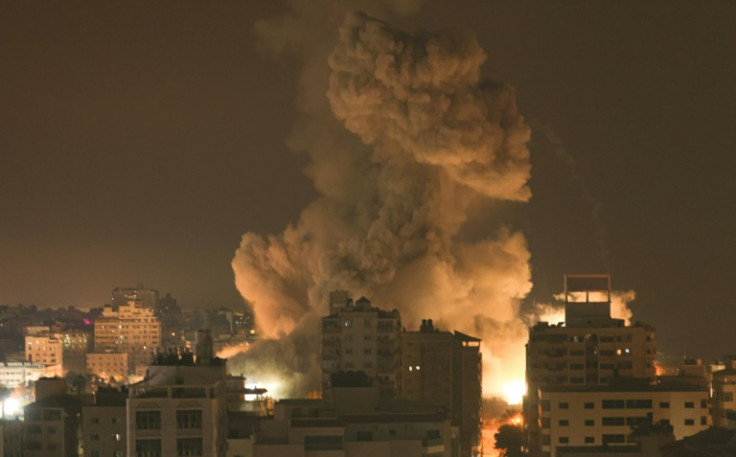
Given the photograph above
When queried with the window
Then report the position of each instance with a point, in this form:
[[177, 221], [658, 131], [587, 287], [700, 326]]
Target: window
[[148, 448], [728, 396], [689, 404], [51, 430], [564, 422], [564, 405], [576, 366], [323, 443], [689, 421], [94, 420], [94, 454], [94, 437], [589, 440], [639, 404], [703, 420], [613, 404], [189, 419], [618, 438], [613, 421], [664, 404], [589, 422], [563, 440], [589, 405], [188, 447], [704, 403], [148, 420], [364, 436], [33, 445]]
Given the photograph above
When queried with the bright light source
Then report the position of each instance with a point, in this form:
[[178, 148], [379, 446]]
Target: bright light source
[[11, 407], [514, 392]]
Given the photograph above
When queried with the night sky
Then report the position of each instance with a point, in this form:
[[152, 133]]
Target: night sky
[[140, 140]]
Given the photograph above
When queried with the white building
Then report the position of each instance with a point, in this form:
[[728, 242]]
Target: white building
[[14, 374], [605, 415], [180, 408]]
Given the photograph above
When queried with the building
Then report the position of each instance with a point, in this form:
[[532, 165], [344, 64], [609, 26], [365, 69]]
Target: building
[[574, 416], [110, 367], [15, 374], [445, 369], [52, 424], [589, 349], [75, 345], [104, 429], [724, 390], [11, 438], [46, 349], [121, 296], [180, 409], [133, 329], [360, 337], [356, 423]]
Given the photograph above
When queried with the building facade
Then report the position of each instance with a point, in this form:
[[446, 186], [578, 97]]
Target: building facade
[[132, 329], [606, 415], [360, 337], [180, 408], [46, 349], [589, 349], [445, 369], [14, 374]]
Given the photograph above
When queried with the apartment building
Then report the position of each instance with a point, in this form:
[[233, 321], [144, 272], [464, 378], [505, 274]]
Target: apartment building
[[589, 349], [180, 408], [443, 368], [108, 366], [104, 429], [131, 328], [592, 416], [52, 425], [46, 349], [360, 337]]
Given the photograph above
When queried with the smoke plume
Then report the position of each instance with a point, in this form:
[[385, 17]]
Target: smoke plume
[[412, 138]]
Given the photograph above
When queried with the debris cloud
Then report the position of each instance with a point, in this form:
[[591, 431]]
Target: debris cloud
[[420, 137]]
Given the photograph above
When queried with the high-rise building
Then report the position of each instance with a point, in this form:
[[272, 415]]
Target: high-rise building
[[132, 328], [589, 349], [360, 337], [146, 297], [443, 368]]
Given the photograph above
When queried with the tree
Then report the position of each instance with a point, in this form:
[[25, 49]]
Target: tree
[[509, 439]]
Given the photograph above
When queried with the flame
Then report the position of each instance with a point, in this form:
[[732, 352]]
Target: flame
[[230, 351]]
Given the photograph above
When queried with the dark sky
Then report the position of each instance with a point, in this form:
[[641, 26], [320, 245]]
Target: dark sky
[[139, 140]]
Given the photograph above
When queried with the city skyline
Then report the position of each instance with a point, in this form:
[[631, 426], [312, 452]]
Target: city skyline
[[140, 144]]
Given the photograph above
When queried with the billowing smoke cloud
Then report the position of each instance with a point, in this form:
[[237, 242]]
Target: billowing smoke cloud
[[433, 138]]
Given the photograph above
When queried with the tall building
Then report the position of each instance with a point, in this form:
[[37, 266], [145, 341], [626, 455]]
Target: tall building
[[146, 297], [180, 408], [443, 368], [360, 337], [589, 349], [132, 328]]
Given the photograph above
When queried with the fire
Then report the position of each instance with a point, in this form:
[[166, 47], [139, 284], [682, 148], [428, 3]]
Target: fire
[[514, 392], [230, 351]]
